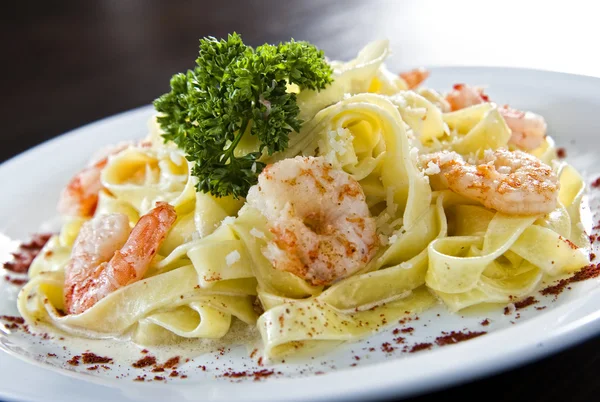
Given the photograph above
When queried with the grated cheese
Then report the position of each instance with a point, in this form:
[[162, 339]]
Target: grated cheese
[[257, 233], [232, 258]]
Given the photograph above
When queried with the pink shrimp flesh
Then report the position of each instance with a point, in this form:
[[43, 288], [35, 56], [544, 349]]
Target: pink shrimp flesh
[[107, 257]]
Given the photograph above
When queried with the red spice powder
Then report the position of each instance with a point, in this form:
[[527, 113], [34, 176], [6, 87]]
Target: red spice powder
[[387, 348], [399, 340], [145, 362], [158, 378], [485, 322], [407, 330], [561, 153], [74, 361], [525, 302], [174, 374], [172, 362], [139, 378], [420, 346], [92, 358], [262, 374], [26, 253], [256, 374], [234, 374], [589, 272], [596, 183], [455, 337], [15, 281], [555, 289], [51, 355], [93, 367], [13, 319]]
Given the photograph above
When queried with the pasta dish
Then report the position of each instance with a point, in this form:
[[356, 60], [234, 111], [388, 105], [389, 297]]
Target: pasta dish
[[315, 200]]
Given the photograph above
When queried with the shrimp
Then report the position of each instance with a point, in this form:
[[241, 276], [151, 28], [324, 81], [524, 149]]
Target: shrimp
[[414, 77], [106, 256], [528, 129], [463, 96], [322, 227], [511, 182], [80, 196]]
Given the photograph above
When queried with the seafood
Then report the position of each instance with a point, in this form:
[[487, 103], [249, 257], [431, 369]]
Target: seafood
[[528, 129], [322, 227], [414, 77], [463, 96], [106, 256], [80, 196], [512, 182]]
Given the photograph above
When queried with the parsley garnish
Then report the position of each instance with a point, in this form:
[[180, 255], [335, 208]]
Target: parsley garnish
[[236, 91]]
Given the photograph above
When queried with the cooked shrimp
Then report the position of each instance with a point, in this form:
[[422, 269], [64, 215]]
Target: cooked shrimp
[[414, 77], [106, 256], [514, 183], [319, 218], [463, 96], [528, 129], [80, 196]]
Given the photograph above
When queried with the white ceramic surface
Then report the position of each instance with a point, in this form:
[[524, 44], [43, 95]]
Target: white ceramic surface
[[31, 183]]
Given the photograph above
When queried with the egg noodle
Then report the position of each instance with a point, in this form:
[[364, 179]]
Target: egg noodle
[[435, 245]]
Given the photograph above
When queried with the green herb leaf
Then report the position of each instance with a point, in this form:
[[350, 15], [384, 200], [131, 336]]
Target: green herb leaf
[[237, 91]]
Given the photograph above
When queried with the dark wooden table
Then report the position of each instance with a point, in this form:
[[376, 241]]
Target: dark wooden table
[[68, 63]]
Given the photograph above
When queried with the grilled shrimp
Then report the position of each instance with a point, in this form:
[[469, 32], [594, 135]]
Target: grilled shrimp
[[106, 256], [322, 227], [414, 77], [528, 129], [80, 196], [514, 183]]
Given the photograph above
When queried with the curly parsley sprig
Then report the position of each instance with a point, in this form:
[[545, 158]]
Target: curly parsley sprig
[[234, 91]]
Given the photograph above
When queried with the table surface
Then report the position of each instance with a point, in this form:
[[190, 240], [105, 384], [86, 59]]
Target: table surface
[[72, 62]]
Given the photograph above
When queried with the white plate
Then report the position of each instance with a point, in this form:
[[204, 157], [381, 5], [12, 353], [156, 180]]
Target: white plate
[[31, 183]]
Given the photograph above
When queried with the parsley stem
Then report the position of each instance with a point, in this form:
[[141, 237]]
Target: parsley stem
[[236, 140]]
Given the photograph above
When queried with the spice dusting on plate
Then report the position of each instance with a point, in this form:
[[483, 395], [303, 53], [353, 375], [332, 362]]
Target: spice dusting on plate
[[420, 346], [24, 256], [257, 375], [387, 348], [589, 272], [145, 362], [74, 361], [92, 358], [525, 302], [172, 362], [455, 337]]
